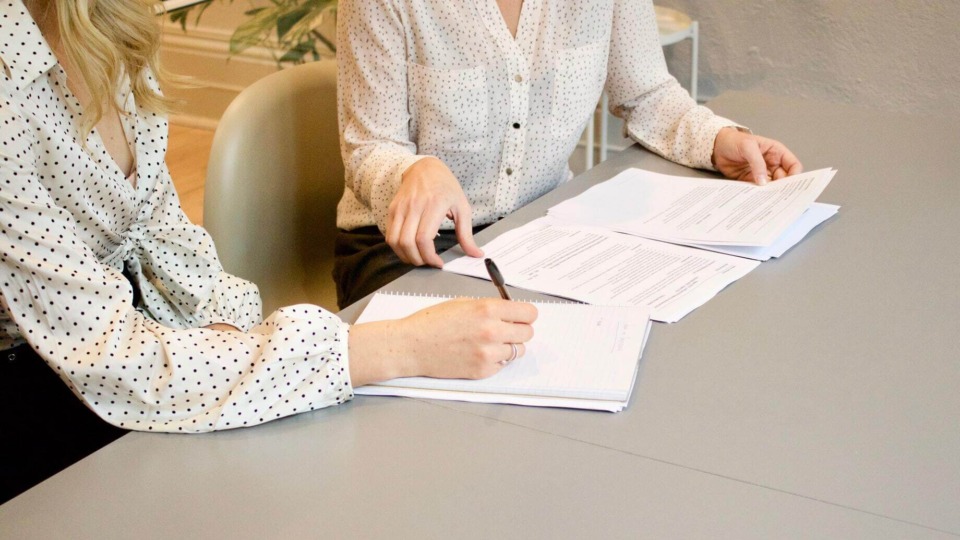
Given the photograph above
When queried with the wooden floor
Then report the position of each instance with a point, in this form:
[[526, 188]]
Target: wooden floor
[[187, 153]]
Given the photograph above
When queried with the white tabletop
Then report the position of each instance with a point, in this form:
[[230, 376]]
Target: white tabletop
[[816, 397]]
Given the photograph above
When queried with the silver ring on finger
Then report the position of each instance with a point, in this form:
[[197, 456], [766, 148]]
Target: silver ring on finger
[[513, 355]]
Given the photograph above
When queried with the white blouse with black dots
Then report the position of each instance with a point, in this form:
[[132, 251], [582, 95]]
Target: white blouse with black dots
[[447, 79], [70, 223]]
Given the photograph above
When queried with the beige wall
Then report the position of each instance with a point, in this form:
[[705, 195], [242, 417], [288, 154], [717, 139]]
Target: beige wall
[[202, 53]]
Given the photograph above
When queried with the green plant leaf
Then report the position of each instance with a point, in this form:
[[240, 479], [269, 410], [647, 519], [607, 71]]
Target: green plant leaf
[[202, 8], [180, 16], [326, 42], [296, 54], [292, 23], [289, 18], [305, 27], [253, 31]]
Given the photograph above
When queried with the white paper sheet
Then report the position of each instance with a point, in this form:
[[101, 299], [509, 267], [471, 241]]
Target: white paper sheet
[[599, 266], [481, 397], [686, 210], [815, 215], [581, 356]]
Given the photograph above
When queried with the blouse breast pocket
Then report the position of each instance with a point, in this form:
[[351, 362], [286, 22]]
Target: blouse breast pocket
[[450, 108], [578, 83]]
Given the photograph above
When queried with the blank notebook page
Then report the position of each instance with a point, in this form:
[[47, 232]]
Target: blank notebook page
[[578, 351]]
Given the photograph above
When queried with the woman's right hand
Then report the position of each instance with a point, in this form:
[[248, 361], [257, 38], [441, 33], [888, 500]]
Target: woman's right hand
[[458, 339], [429, 192]]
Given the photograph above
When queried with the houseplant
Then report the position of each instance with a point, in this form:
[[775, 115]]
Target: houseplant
[[290, 27]]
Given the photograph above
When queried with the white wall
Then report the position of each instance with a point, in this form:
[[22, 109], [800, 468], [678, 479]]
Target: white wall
[[893, 55]]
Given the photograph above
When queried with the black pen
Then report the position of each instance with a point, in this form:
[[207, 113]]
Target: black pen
[[497, 278]]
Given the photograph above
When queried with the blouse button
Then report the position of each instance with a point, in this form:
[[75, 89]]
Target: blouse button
[[509, 171], [518, 78], [516, 125]]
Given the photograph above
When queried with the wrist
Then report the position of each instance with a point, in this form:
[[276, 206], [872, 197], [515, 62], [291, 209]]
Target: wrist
[[379, 352], [723, 132], [421, 163]]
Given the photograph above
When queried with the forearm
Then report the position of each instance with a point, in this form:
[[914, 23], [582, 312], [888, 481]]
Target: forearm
[[376, 143], [139, 374], [657, 112], [667, 122], [375, 174], [198, 380]]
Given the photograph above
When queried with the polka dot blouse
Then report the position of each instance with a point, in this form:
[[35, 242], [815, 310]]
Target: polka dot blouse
[[71, 224], [447, 79]]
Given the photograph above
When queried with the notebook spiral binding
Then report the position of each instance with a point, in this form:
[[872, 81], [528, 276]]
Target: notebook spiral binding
[[445, 297]]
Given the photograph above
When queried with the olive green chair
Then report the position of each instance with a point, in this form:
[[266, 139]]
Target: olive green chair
[[273, 182]]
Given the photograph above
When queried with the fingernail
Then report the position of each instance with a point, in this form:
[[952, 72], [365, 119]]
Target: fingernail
[[762, 180]]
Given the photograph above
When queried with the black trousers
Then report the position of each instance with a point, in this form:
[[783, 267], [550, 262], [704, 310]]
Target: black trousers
[[364, 262], [44, 428]]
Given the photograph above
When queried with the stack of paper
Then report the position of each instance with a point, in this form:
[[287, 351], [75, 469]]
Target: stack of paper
[[615, 244], [583, 357], [729, 216]]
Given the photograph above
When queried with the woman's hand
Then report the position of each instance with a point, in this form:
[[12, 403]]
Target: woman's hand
[[458, 339], [744, 156], [428, 193]]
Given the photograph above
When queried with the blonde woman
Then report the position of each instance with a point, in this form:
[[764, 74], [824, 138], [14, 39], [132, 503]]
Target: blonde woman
[[116, 313]]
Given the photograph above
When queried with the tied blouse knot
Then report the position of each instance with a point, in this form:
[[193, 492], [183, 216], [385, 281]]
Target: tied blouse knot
[[154, 259]]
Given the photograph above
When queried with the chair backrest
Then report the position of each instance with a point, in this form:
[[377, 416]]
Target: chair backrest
[[273, 183]]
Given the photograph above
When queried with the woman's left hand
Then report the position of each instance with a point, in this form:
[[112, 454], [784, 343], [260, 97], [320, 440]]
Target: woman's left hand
[[744, 156]]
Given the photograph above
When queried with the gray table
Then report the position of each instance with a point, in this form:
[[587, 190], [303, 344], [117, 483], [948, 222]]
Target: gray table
[[817, 397]]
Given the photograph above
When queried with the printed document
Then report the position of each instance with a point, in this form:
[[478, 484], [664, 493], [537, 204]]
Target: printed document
[[699, 211], [599, 266], [815, 215]]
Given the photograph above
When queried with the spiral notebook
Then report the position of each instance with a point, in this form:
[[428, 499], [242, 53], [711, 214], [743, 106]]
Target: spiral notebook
[[581, 356]]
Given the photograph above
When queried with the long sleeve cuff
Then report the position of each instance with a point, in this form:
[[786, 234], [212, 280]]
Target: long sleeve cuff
[[706, 139], [386, 185]]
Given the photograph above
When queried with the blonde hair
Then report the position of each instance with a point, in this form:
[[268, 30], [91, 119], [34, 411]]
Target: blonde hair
[[107, 39]]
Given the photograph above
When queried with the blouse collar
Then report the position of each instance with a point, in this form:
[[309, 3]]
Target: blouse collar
[[25, 54]]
